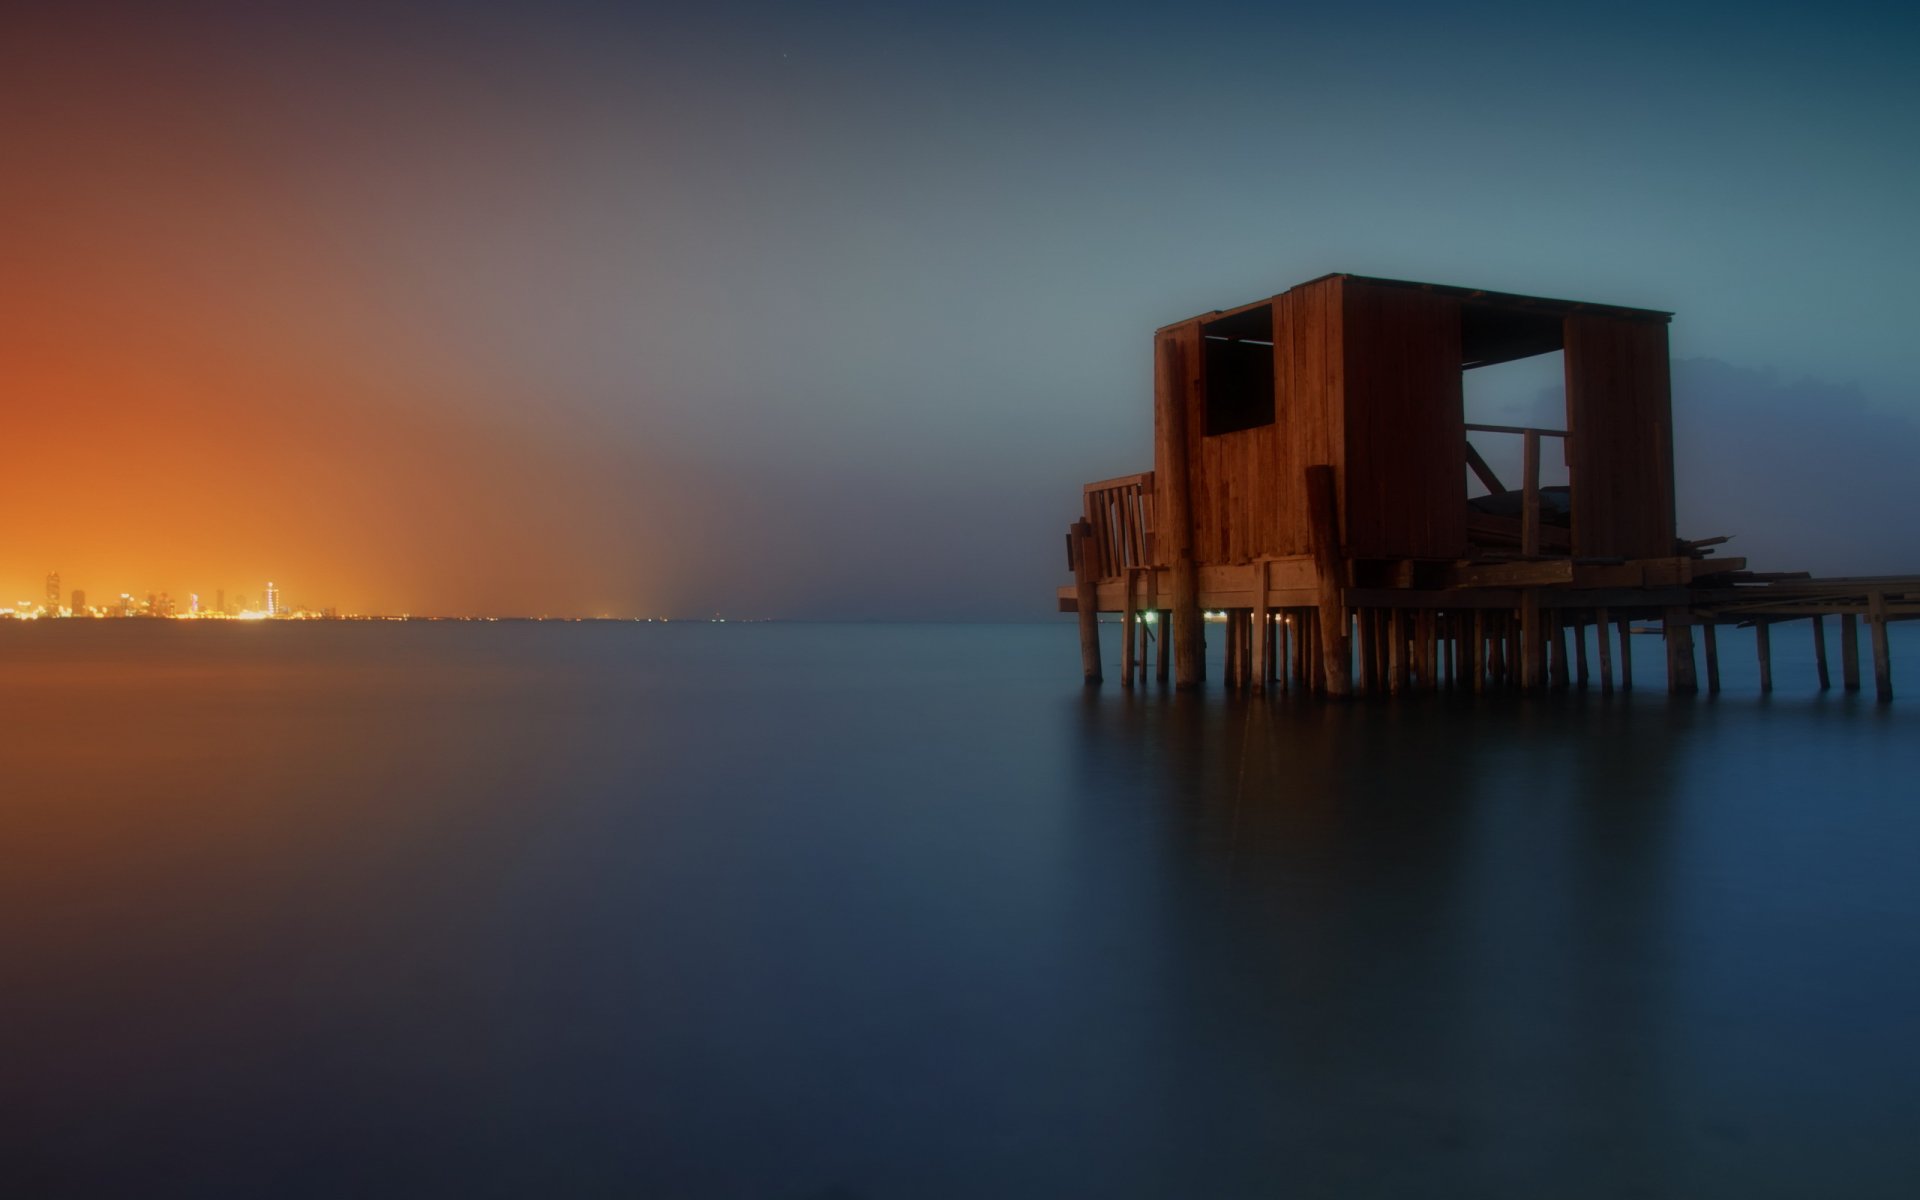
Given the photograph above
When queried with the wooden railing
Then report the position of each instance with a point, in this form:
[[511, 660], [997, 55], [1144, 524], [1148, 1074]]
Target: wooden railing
[[1121, 513], [1530, 477]]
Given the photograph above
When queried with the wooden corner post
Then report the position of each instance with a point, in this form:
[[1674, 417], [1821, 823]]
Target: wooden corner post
[[1086, 583], [1323, 513], [1173, 496]]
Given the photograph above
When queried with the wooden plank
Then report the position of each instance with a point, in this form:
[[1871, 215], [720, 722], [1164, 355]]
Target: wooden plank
[[1849, 652], [1882, 659], [1820, 651]]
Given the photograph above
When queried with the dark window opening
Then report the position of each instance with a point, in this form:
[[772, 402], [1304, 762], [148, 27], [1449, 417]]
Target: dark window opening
[[1238, 365]]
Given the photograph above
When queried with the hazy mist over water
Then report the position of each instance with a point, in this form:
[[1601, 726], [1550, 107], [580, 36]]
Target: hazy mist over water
[[899, 911]]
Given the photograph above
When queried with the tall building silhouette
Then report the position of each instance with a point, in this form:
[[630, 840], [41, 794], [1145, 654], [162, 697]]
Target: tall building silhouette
[[79, 606], [273, 599], [53, 594]]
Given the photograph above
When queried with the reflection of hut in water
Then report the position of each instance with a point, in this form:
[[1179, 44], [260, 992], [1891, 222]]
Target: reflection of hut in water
[[1312, 474]]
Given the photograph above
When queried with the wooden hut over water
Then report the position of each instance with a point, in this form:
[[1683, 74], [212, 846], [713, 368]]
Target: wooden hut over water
[[1312, 462]]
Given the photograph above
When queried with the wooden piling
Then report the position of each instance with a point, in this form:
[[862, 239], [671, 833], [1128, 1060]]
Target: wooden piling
[[1626, 655], [1882, 659], [1681, 677], [1602, 638], [1128, 618], [1533, 671], [1820, 651], [1478, 651], [1557, 651], [1323, 514], [1087, 597], [1163, 647], [1710, 645], [1262, 632], [1849, 652], [1580, 653], [1763, 645]]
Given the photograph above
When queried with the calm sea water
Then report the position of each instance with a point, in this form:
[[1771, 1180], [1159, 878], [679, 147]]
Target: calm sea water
[[898, 911]]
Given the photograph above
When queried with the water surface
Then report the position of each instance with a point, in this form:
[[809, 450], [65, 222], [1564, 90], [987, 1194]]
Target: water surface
[[899, 911]]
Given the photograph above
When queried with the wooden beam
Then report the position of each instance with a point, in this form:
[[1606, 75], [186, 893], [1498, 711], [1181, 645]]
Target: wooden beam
[[1530, 494], [1483, 472], [1173, 484], [1510, 574]]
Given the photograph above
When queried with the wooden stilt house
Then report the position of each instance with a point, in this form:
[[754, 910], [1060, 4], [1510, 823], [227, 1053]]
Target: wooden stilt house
[[1312, 461]]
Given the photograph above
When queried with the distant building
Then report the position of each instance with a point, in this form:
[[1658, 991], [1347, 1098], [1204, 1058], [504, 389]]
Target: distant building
[[79, 606], [220, 601], [53, 594], [273, 599]]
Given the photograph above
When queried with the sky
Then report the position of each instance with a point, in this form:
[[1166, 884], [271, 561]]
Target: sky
[[824, 311]]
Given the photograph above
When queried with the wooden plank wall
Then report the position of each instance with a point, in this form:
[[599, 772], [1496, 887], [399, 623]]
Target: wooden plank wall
[[1176, 352], [1620, 436], [1405, 488]]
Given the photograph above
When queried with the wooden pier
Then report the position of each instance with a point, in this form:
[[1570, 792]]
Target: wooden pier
[[1313, 467]]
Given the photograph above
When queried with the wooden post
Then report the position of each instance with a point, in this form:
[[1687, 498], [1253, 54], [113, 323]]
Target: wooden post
[[1602, 640], [1681, 677], [1530, 495], [1849, 652], [1230, 652], [1396, 651], [1557, 650], [1244, 619], [1323, 516], [1128, 617], [1882, 660], [1087, 597], [1301, 639], [1820, 651], [1763, 643], [1626, 656], [1173, 483], [1262, 632], [1580, 652], [1532, 670], [1710, 646], [1478, 654], [1163, 650]]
